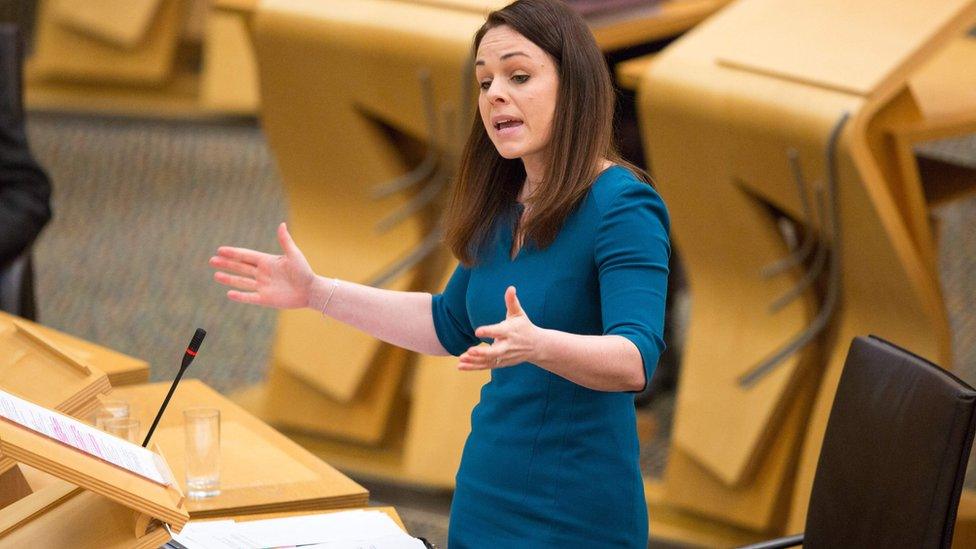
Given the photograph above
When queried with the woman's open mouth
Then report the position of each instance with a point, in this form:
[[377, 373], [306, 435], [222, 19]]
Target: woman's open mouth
[[508, 127]]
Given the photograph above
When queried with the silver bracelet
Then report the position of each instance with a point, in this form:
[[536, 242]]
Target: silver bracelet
[[335, 284]]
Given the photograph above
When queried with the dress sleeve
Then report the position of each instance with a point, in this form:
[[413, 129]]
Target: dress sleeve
[[451, 314], [631, 253]]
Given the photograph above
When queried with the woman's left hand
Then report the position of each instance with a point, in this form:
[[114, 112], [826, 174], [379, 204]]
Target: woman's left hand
[[516, 340]]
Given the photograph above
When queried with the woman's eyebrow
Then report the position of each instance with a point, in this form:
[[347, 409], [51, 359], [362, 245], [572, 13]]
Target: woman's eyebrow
[[481, 62]]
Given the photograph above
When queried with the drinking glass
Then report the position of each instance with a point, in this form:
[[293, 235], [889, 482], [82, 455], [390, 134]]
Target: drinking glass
[[202, 426], [125, 428], [110, 409]]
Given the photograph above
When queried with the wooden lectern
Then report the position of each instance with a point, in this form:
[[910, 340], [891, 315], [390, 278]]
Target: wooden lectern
[[35, 368], [97, 504], [780, 134], [59, 372]]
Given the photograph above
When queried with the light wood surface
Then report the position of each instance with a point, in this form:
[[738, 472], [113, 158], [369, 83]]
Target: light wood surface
[[36, 368], [760, 505], [871, 47], [671, 523], [13, 485], [244, 7], [63, 515], [422, 440], [423, 432], [389, 511], [442, 398], [945, 87], [965, 533], [719, 114], [121, 369], [261, 470], [65, 55], [646, 24], [122, 22], [229, 79], [631, 71], [292, 403], [332, 214]]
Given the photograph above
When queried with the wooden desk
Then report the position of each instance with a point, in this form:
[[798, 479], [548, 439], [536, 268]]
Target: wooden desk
[[752, 83], [390, 511], [645, 24], [121, 369], [261, 470]]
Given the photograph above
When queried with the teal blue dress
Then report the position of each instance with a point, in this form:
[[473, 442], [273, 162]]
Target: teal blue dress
[[548, 462]]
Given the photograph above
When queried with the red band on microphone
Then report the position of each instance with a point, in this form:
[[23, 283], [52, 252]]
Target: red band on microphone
[[191, 353]]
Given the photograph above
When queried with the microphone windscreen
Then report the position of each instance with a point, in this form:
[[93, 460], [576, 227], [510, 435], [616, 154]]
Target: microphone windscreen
[[197, 340]]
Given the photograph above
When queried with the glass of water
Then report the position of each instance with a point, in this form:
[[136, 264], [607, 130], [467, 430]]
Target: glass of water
[[110, 409], [202, 426], [125, 428]]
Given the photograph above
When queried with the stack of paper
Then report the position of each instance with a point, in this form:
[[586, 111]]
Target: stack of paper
[[69, 431], [356, 529]]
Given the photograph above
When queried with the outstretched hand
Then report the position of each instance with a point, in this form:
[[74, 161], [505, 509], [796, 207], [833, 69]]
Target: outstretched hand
[[516, 339], [280, 281]]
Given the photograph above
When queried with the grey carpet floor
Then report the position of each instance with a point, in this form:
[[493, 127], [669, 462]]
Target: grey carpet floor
[[140, 206]]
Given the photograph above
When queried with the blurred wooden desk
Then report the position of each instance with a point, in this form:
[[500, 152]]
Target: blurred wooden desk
[[261, 470], [631, 27], [121, 369]]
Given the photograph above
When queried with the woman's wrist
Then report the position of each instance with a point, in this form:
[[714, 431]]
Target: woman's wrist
[[320, 293], [541, 347]]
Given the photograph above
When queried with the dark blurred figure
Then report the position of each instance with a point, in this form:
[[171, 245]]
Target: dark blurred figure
[[25, 190]]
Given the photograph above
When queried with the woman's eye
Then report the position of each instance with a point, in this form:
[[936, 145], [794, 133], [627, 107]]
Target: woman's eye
[[485, 85], [520, 78]]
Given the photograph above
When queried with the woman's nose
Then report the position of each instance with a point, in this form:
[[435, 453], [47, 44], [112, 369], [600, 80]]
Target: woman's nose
[[496, 95]]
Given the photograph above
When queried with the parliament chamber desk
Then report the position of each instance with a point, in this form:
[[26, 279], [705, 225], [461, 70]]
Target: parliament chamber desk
[[121, 369], [156, 76], [261, 471]]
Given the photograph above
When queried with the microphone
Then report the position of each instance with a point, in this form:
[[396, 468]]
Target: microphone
[[188, 356]]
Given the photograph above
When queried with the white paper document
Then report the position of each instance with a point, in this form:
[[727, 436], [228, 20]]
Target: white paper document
[[357, 529], [76, 434]]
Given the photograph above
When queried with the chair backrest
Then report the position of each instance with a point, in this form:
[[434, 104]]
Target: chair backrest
[[894, 454]]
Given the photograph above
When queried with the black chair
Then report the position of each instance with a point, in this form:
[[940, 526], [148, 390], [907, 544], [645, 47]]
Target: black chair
[[29, 187], [894, 454]]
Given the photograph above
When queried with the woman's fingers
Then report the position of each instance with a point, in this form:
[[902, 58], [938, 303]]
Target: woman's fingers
[[239, 282], [286, 242], [493, 331], [251, 298], [233, 266], [512, 305], [483, 357], [243, 255]]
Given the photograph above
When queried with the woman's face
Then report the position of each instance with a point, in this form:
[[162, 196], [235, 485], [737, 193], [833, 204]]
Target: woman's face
[[518, 83]]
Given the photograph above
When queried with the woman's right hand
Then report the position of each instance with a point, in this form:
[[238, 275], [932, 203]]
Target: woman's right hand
[[280, 281]]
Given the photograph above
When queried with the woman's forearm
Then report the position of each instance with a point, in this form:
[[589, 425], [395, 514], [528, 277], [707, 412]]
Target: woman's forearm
[[599, 362], [403, 319]]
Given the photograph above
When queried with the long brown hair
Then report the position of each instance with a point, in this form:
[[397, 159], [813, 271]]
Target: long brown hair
[[487, 184]]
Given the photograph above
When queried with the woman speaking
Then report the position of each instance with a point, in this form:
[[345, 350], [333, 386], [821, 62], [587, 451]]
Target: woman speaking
[[563, 251]]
